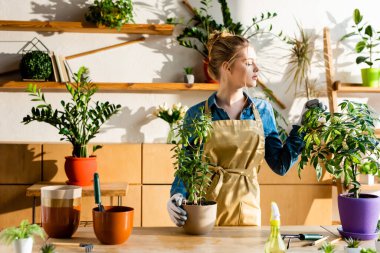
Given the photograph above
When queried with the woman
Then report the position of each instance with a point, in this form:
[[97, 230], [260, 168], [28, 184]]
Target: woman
[[244, 133]]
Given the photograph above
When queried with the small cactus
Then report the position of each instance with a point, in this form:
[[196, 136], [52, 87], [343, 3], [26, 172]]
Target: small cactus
[[328, 248], [48, 248], [352, 243]]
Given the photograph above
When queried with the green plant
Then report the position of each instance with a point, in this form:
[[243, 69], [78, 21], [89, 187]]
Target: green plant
[[328, 247], [300, 60], [192, 166], [48, 248], [352, 243], [369, 250], [36, 65], [78, 122], [111, 13], [188, 70], [202, 24], [25, 230], [368, 39], [343, 142]]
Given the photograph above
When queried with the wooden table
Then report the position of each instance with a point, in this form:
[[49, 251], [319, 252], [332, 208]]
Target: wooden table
[[173, 239], [107, 190]]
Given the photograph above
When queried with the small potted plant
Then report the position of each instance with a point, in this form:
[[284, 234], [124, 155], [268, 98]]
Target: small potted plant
[[328, 248], [346, 145], [173, 116], [189, 77], [366, 47], [47, 248], [21, 236], [369, 250], [36, 65], [78, 122], [192, 167], [352, 245], [113, 14]]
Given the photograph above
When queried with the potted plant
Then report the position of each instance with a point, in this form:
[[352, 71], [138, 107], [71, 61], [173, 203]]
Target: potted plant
[[352, 245], [113, 14], [197, 30], [369, 250], [192, 167], [189, 77], [21, 236], [36, 65], [345, 144], [78, 122], [47, 248], [328, 248], [366, 48]]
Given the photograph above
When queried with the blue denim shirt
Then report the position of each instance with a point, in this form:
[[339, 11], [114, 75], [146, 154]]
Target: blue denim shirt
[[280, 157]]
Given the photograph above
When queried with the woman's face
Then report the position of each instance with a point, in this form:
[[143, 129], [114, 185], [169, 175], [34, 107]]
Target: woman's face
[[243, 70]]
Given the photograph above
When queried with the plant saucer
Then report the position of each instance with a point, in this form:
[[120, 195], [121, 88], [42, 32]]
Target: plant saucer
[[358, 236]]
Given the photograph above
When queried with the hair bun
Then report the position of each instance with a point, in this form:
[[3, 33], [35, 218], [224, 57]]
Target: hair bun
[[215, 36]]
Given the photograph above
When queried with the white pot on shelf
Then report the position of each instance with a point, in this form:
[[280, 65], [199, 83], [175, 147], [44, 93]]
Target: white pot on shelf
[[352, 250], [367, 179], [23, 245], [189, 78]]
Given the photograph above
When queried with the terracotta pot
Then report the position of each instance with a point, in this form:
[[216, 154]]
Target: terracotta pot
[[208, 77], [114, 225], [80, 170], [60, 210], [200, 218]]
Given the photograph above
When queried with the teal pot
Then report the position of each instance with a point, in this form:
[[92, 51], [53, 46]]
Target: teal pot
[[371, 77], [200, 218]]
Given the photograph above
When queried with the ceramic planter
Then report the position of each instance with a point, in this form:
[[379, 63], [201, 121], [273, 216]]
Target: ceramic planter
[[189, 78], [60, 210], [371, 77], [23, 245], [359, 216], [114, 225], [80, 170], [352, 250], [200, 218]]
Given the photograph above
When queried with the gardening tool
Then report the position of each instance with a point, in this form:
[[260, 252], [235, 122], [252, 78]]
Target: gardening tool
[[87, 246], [308, 237], [97, 195]]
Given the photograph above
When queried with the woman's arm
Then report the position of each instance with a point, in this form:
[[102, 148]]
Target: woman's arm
[[280, 157]]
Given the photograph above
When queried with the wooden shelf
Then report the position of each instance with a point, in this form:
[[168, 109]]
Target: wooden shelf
[[377, 133], [354, 88], [13, 86], [79, 27]]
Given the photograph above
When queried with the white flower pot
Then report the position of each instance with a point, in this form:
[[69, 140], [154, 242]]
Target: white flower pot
[[352, 250], [377, 243], [23, 245], [189, 79]]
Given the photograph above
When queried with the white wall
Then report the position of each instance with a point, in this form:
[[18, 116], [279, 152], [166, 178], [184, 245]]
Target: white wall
[[160, 59]]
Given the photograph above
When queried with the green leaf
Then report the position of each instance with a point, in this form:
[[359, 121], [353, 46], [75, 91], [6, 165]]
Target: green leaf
[[369, 31], [357, 16], [360, 46], [361, 59]]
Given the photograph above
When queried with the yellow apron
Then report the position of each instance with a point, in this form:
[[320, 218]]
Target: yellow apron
[[236, 148]]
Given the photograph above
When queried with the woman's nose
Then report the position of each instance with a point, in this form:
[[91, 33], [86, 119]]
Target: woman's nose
[[255, 67]]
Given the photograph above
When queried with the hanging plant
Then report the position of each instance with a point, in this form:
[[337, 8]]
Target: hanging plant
[[36, 65]]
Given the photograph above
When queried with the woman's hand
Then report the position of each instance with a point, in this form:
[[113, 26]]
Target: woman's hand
[[176, 213], [310, 104]]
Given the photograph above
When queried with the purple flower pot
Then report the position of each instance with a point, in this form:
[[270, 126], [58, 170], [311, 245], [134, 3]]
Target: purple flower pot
[[359, 215]]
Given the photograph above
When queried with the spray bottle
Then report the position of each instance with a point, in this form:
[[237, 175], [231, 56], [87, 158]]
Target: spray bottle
[[275, 244]]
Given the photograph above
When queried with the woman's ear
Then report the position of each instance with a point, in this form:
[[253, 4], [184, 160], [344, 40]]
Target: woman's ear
[[226, 66]]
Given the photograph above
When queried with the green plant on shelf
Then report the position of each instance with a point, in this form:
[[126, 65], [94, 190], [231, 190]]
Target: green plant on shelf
[[368, 250], [48, 248], [78, 121], [328, 247], [111, 13], [188, 70], [36, 65], [368, 40], [352, 243]]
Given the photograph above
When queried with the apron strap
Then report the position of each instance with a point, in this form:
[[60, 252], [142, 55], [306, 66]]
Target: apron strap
[[207, 109], [256, 113]]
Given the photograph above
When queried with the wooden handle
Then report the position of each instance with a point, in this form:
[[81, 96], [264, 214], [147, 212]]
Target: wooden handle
[[104, 48], [66, 244], [189, 7]]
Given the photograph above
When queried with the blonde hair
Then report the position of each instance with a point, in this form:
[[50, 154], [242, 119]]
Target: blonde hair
[[223, 47]]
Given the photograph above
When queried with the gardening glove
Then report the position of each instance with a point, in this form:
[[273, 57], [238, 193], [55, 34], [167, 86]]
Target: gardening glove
[[176, 213], [310, 104]]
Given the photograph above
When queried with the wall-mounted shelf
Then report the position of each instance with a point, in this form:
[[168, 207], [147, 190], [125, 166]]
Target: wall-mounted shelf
[[354, 88], [79, 27], [13, 86]]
